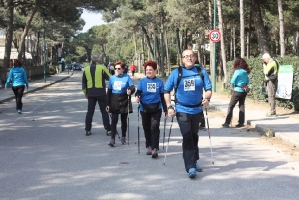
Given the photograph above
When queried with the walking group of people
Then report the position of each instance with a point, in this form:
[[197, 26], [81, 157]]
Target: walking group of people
[[153, 98]]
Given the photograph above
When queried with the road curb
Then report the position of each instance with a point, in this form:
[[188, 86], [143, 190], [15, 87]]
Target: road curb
[[265, 131]]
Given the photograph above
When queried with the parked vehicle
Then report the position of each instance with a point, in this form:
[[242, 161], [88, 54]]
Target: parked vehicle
[[78, 67], [68, 66]]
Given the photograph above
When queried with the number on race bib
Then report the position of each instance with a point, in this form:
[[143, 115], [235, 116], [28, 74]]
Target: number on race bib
[[117, 85], [151, 87], [189, 84]]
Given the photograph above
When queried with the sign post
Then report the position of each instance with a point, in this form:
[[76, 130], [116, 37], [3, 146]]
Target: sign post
[[214, 36]]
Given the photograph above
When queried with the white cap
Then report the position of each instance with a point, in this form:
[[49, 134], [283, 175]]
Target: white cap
[[266, 55]]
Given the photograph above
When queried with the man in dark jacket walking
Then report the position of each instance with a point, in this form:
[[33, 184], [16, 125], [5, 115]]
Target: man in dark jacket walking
[[94, 88]]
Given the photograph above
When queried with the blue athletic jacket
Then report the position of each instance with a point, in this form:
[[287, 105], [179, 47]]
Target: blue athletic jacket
[[239, 79], [151, 91], [117, 98], [189, 91], [18, 77]]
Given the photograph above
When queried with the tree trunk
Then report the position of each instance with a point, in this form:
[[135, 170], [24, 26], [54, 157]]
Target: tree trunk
[[148, 41], [162, 46], [281, 30], [167, 53], [179, 51], [249, 34], [231, 45], [259, 27], [135, 44], [223, 53], [234, 42], [211, 43], [142, 53], [26, 29], [9, 35], [242, 29]]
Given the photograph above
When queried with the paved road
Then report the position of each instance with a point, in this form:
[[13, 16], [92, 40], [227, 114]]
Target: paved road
[[44, 154]]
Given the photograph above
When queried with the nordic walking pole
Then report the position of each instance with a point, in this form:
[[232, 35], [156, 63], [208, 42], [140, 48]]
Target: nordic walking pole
[[138, 129], [168, 140], [128, 120], [209, 135], [164, 132]]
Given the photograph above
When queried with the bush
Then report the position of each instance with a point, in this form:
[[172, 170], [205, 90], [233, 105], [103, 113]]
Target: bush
[[256, 80], [52, 70]]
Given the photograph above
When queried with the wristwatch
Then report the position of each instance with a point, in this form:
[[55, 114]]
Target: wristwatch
[[170, 107]]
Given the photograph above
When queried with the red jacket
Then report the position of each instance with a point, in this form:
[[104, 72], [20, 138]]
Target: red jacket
[[132, 67]]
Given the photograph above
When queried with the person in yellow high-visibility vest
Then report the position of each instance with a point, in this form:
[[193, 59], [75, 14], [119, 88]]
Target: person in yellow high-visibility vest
[[271, 73], [94, 88]]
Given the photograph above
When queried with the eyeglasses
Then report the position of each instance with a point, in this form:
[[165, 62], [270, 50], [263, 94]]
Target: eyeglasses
[[189, 56], [117, 68]]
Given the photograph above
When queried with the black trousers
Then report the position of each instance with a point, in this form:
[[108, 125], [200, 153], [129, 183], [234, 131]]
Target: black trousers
[[236, 97], [92, 101], [18, 91], [124, 124], [151, 124], [189, 126]]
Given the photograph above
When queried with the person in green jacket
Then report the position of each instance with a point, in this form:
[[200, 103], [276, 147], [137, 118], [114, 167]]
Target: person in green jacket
[[271, 73], [94, 88]]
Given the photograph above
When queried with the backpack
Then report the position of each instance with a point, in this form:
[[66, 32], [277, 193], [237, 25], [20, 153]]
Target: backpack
[[180, 76]]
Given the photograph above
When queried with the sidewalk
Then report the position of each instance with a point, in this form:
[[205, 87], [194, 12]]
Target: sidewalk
[[283, 126]]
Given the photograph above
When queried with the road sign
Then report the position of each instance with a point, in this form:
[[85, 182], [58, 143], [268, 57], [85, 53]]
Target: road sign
[[215, 36]]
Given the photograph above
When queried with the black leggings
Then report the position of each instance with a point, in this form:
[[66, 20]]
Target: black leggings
[[151, 124], [18, 91], [124, 124]]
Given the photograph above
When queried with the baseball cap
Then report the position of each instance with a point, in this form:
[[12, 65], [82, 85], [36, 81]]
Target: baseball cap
[[266, 55]]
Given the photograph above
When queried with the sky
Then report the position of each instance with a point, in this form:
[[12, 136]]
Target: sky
[[91, 19]]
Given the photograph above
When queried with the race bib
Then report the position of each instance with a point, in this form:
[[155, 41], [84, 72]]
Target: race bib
[[189, 85], [151, 87], [117, 85]]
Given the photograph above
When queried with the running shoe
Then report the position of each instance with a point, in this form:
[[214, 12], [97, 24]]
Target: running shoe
[[192, 173], [108, 133], [123, 140], [149, 151], [87, 133], [155, 153], [112, 143], [198, 169]]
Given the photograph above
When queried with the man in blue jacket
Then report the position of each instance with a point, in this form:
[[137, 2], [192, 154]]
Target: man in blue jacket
[[188, 106]]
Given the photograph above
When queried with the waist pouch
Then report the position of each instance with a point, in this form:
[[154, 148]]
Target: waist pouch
[[151, 108]]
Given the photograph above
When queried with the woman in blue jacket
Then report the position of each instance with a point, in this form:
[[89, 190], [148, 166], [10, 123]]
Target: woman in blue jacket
[[18, 77], [239, 80], [120, 89], [150, 94]]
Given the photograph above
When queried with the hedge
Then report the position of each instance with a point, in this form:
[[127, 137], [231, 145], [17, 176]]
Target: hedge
[[256, 80]]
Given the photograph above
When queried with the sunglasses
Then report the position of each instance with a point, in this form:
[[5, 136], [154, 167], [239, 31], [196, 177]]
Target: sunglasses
[[117, 68]]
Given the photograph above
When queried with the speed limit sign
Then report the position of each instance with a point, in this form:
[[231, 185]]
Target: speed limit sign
[[215, 36]]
